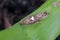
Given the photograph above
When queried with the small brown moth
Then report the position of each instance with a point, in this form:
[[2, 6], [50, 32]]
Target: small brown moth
[[35, 18]]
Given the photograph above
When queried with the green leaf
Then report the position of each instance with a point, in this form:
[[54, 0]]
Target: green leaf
[[46, 29]]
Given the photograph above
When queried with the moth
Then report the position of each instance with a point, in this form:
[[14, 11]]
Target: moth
[[34, 18]]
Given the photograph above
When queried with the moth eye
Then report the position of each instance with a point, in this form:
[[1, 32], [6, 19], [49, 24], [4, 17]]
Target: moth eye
[[26, 21]]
